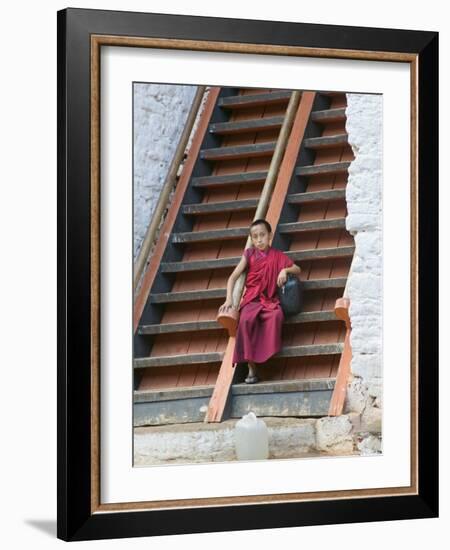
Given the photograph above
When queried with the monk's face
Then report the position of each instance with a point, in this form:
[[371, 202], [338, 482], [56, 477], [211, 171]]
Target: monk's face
[[260, 236]]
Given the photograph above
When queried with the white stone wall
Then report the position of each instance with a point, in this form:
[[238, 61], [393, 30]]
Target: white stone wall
[[288, 438], [160, 113], [364, 222]]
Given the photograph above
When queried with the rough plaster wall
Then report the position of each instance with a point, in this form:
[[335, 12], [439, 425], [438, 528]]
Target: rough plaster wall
[[160, 113], [364, 221]]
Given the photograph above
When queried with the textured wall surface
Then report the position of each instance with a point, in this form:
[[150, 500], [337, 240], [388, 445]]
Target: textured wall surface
[[160, 113], [364, 221]]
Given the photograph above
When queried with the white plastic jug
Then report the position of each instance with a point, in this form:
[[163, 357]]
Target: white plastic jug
[[251, 438]]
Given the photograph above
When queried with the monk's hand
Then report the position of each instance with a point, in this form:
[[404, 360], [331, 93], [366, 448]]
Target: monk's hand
[[226, 306], [282, 277]]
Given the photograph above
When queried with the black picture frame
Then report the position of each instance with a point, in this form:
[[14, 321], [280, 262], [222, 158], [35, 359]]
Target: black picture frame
[[79, 517]]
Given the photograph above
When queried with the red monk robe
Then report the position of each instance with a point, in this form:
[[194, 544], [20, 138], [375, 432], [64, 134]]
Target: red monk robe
[[258, 335]]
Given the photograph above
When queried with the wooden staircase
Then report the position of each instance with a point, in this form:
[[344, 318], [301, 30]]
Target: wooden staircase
[[180, 352]]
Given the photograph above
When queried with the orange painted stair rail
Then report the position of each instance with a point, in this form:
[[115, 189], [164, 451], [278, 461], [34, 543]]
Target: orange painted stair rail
[[340, 388]]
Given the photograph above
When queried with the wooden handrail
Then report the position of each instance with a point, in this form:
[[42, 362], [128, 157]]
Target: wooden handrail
[[341, 309], [157, 215]]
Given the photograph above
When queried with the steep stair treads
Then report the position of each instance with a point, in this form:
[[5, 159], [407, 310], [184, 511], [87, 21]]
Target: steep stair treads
[[308, 211], [178, 346], [183, 369], [313, 218], [221, 395]]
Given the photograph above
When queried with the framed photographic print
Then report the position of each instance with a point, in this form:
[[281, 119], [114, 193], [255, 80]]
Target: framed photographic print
[[247, 274]]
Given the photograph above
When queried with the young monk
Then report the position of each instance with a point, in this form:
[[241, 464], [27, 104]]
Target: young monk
[[258, 335]]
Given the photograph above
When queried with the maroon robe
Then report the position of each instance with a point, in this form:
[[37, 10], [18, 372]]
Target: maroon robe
[[258, 335]]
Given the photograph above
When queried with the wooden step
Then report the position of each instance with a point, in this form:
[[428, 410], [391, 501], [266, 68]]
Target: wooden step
[[239, 232], [170, 405], [321, 169], [254, 100], [322, 284], [168, 328], [195, 326], [203, 358], [311, 317], [169, 394], [230, 179], [313, 225], [321, 253], [198, 265], [188, 295], [329, 115], [284, 386], [316, 196], [313, 349], [221, 263], [216, 293], [210, 235], [216, 207], [295, 398], [251, 150], [284, 398], [326, 142], [176, 360], [251, 125]]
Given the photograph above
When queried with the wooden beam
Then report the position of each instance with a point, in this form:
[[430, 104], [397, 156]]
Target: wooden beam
[[232, 152], [253, 100], [210, 235], [328, 115], [183, 359], [220, 263], [171, 394], [215, 293], [312, 225], [241, 126], [324, 142], [325, 168], [168, 328], [219, 207], [194, 326], [317, 196], [292, 403], [230, 179]]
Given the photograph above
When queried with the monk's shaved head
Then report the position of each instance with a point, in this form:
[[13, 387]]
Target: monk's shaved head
[[261, 222]]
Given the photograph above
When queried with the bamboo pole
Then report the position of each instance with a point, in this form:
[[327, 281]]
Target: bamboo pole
[[271, 179], [161, 206], [224, 380]]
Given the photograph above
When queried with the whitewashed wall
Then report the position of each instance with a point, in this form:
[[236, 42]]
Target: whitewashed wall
[[160, 113], [364, 221]]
